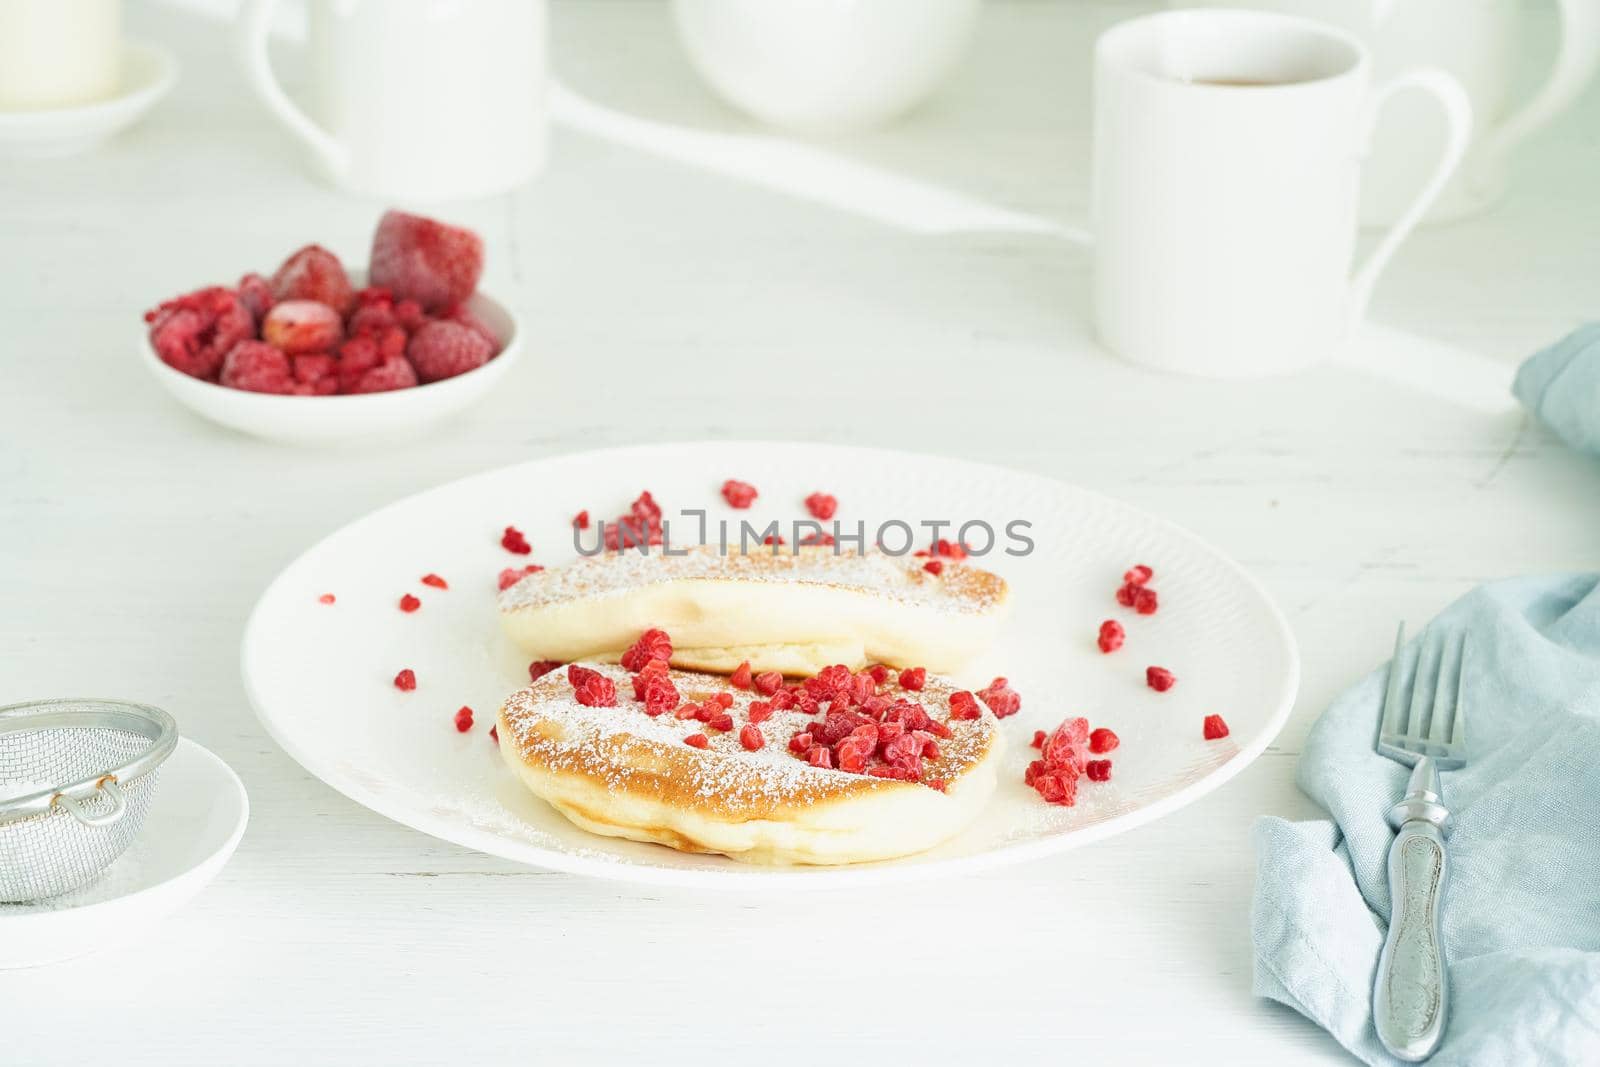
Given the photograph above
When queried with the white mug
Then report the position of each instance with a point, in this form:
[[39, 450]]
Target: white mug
[[1227, 149], [831, 66], [415, 100], [59, 53], [1477, 41]]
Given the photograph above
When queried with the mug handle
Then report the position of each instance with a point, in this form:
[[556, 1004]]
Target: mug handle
[[1576, 61], [254, 21], [1457, 110]]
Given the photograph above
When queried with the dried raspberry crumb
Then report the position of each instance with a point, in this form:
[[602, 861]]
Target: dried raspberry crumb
[[1111, 635], [1139, 574], [697, 741], [1003, 700], [950, 549], [409, 603], [406, 680], [1102, 741], [1038, 739], [935, 783], [914, 678], [494, 734], [738, 494], [512, 575], [652, 644], [464, 719], [326, 598], [768, 682], [1159, 678], [1214, 727], [773, 539], [513, 541], [1098, 770], [934, 566], [435, 581], [963, 705], [820, 756], [1145, 601], [751, 738], [815, 540], [581, 520], [821, 506]]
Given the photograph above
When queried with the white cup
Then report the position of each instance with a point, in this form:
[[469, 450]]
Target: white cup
[[59, 53], [1227, 149], [415, 100], [1477, 41], [825, 66]]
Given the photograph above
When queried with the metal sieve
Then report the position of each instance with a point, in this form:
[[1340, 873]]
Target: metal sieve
[[76, 777]]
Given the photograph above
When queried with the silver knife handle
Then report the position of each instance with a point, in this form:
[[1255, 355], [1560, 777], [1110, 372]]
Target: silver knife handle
[[1409, 999]]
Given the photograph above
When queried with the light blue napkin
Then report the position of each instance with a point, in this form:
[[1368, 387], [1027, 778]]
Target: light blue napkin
[[1522, 913], [1561, 385]]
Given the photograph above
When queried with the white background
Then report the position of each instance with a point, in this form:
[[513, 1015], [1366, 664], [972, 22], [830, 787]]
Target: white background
[[666, 301]]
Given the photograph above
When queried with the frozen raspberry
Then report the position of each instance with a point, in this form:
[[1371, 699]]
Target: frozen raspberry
[[740, 678], [255, 293], [760, 711], [914, 678], [1159, 678], [464, 719], [409, 603], [581, 520], [513, 541], [934, 566], [193, 332], [435, 581], [541, 667], [387, 376], [1214, 727], [596, 691], [1145, 601], [1038, 739], [512, 575], [768, 682], [1102, 741], [316, 375], [697, 741], [411, 317], [963, 705], [821, 506], [314, 273], [445, 349], [461, 314], [1139, 574], [652, 644], [372, 319], [738, 494], [1111, 636], [1098, 770], [257, 367], [326, 598], [406, 680], [1001, 698], [300, 326], [751, 738], [421, 259], [819, 756]]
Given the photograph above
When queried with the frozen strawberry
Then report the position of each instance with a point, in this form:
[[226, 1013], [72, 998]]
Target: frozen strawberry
[[445, 349], [314, 273], [257, 367], [421, 259], [193, 333], [255, 293]]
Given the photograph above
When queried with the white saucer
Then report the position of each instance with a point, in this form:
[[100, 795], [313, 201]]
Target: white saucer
[[148, 72], [195, 820]]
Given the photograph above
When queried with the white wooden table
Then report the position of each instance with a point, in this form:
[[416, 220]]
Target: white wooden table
[[135, 538]]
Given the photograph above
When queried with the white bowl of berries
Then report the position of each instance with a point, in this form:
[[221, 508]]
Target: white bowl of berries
[[318, 354]]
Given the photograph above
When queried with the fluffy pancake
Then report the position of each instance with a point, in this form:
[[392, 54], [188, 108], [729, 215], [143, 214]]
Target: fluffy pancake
[[619, 772], [794, 611]]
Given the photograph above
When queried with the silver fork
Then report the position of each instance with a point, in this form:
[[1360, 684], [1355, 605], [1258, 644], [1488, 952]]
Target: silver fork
[[1427, 732]]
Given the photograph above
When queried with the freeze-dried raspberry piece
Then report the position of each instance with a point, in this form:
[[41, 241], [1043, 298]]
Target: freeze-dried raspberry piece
[[1111, 636], [494, 734], [1138, 574], [738, 494], [880, 673], [257, 367], [914, 678], [801, 742], [513, 541], [255, 293], [652, 644], [1214, 727], [1159, 678], [1057, 787], [820, 756], [1038, 739], [512, 575], [934, 566], [443, 350], [406, 680], [760, 711], [363, 368], [640, 526], [751, 737], [1145, 601], [373, 318], [1067, 747], [409, 603], [822, 506], [541, 667], [767, 682], [697, 741], [660, 695], [686, 711], [1126, 593], [314, 273], [578, 674], [326, 598], [596, 691], [301, 326], [421, 259], [963, 705], [192, 333], [740, 678], [435, 581], [774, 540], [1102, 741], [720, 721], [653, 668], [722, 700], [581, 520], [1003, 700], [853, 754], [814, 540], [1098, 770], [464, 719], [830, 682], [950, 549]]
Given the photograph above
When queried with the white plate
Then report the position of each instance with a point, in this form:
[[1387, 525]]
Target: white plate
[[321, 676], [195, 820], [318, 420], [148, 73]]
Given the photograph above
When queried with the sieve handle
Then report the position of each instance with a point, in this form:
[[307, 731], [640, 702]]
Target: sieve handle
[[107, 785]]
